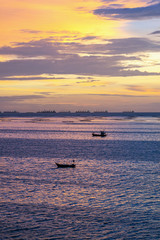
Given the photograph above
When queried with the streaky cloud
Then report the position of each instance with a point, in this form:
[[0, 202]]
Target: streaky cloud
[[131, 45], [138, 88], [87, 81], [109, 66], [57, 50], [155, 32], [119, 95], [65, 58], [20, 98], [151, 11], [42, 47], [25, 78], [30, 31], [89, 38]]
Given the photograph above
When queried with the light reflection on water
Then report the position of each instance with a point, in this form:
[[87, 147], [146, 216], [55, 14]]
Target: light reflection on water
[[79, 128], [113, 193]]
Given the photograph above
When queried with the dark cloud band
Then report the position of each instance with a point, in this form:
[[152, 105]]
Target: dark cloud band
[[97, 59], [152, 11]]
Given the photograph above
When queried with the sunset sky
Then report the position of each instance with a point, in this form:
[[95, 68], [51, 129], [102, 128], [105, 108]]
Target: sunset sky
[[69, 55]]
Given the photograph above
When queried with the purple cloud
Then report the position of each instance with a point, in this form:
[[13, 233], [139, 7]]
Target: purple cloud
[[31, 49], [155, 32], [151, 11], [64, 58]]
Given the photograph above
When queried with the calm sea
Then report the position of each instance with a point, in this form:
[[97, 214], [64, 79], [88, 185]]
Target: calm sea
[[113, 193]]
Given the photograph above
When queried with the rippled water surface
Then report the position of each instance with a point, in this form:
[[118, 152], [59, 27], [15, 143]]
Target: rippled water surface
[[113, 193]]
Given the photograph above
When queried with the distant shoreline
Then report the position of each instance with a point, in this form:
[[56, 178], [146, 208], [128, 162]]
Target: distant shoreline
[[130, 114]]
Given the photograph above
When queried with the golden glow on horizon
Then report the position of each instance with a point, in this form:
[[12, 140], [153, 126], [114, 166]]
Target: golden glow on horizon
[[72, 86]]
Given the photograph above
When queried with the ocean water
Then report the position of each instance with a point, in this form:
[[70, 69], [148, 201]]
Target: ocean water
[[113, 193]]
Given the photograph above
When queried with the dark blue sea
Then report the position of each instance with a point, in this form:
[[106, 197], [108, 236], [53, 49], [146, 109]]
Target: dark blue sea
[[113, 193]]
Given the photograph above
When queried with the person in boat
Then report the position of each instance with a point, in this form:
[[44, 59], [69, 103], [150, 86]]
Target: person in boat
[[103, 133]]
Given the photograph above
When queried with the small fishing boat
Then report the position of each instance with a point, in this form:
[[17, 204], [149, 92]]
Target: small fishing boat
[[63, 165], [99, 134]]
